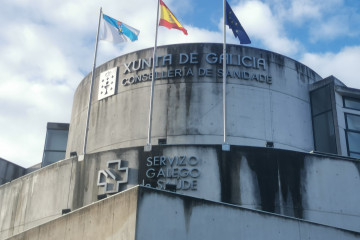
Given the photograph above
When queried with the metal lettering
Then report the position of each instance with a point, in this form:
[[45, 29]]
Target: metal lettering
[[171, 74], [149, 162], [193, 161], [189, 72], [183, 58], [246, 64], [195, 173], [138, 66], [161, 173], [194, 185], [184, 172], [162, 161], [194, 58], [181, 161], [147, 63], [127, 68], [177, 72], [124, 82], [211, 58], [171, 160], [261, 62], [167, 58], [156, 160], [150, 173]]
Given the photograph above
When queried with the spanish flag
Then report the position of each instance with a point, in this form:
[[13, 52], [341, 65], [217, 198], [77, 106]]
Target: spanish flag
[[167, 19]]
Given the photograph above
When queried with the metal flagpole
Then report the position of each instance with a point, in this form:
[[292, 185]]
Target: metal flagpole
[[225, 146], [148, 145], [91, 85]]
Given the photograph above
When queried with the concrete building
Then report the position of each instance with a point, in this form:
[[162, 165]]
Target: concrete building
[[291, 171]]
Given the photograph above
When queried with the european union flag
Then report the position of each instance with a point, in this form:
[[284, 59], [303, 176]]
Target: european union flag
[[235, 26]]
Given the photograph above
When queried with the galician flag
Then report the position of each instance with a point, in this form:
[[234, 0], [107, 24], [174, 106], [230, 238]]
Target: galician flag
[[117, 32], [167, 19]]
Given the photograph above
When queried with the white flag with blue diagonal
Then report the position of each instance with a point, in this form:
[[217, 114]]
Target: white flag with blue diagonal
[[117, 32]]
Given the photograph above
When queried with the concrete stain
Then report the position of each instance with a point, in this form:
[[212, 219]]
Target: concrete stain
[[290, 168], [78, 190], [268, 166]]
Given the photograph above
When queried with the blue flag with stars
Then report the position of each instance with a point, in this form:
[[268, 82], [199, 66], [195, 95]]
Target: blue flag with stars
[[235, 26]]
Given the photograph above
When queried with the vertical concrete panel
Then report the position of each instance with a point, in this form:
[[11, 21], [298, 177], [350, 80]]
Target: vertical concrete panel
[[249, 188], [21, 208], [125, 215], [332, 192], [291, 123], [181, 217], [54, 230], [75, 225], [313, 231], [112, 218], [49, 193], [32, 234], [97, 216], [115, 122], [8, 211], [245, 120], [78, 118]]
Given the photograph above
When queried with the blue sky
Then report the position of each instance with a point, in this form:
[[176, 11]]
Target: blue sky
[[47, 48]]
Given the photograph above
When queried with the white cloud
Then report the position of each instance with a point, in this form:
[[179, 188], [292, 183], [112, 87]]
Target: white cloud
[[344, 65], [299, 11], [303, 9], [260, 23]]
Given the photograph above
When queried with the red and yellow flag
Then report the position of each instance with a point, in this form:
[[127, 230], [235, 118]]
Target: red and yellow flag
[[167, 19]]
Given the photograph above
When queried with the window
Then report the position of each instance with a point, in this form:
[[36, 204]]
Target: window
[[323, 122], [352, 103], [55, 143], [353, 134]]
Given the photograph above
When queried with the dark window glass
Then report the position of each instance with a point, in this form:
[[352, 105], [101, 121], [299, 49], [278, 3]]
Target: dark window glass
[[320, 100], [324, 132], [55, 143], [51, 157], [353, 134], [353, 122], [323, 122], [56, 140], [352, 103], [354, 141], [355, 155]]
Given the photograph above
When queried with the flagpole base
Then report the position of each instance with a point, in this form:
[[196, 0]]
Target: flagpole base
[[225, 147], [147, 148]]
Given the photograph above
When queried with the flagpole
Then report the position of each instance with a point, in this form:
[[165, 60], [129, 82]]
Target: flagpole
[[91, 85], [225, 146], [148, 145]]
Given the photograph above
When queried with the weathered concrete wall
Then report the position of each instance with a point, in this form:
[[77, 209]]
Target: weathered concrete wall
[[317, 188], [188, 107], [42, 195], [144, 213], [9, 171], [35, 198], [307, 186], [114, 218], [181, 217]]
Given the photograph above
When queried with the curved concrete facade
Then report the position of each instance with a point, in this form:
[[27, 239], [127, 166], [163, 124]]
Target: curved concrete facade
[[267, 96]]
